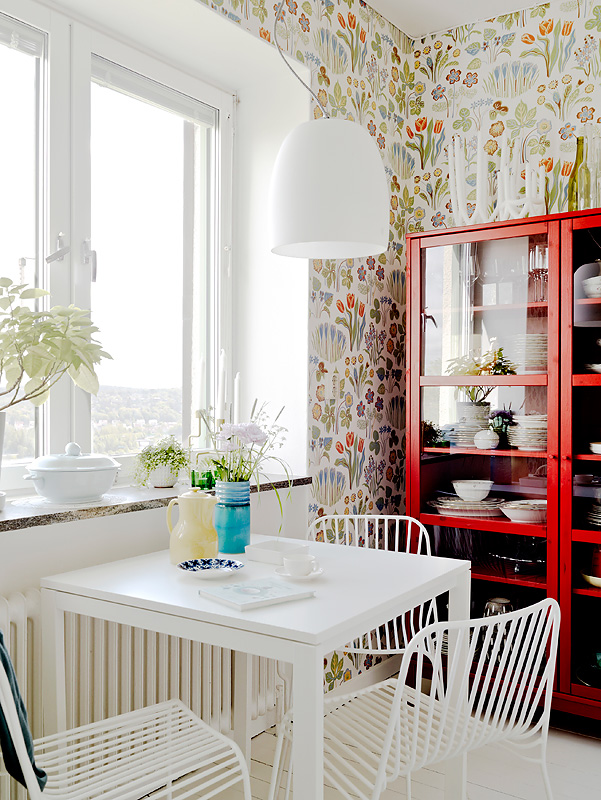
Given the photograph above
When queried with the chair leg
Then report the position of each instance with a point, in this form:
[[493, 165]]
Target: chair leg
[[408, 783], [546, 781], [279, 759]]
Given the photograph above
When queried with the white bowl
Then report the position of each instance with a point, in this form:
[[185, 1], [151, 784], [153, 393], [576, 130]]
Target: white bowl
[[595, 448], [592, 286], [472, 489], [592, 579], [532, 511]]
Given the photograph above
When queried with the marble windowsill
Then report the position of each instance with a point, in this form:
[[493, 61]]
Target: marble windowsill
[[29, 512]]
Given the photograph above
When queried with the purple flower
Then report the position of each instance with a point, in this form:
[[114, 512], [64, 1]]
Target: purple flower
[[380, 273], [379, 404], [369, 395]]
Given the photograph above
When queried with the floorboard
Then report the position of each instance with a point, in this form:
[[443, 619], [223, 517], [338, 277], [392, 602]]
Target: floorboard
[[493, 773]]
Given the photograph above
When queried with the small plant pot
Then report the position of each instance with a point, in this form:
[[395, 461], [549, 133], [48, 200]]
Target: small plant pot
[[163, 477]]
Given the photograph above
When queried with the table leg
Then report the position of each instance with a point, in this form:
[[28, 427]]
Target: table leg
[[242, 697], [455, 769], [54, 698], [307, 707]]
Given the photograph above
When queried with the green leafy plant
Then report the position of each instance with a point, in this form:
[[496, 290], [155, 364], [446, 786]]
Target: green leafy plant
[[167, 452], [38, 347], [431, 434], [492, 362]]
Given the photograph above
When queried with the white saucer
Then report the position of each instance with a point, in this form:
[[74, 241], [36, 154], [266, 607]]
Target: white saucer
[[283, 574]]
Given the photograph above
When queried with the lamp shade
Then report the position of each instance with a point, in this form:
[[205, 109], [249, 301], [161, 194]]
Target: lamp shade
[[329, 193]]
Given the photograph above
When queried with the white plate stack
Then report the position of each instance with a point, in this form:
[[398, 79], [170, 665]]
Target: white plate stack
[[455, 507], [594, 515], [528, 351], [529, 432]]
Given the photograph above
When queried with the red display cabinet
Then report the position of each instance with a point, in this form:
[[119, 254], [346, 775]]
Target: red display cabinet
[[504, 334]]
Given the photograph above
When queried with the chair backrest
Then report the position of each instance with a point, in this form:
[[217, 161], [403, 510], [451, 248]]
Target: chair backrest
[[500, 675], [379, 531], [11, 717]]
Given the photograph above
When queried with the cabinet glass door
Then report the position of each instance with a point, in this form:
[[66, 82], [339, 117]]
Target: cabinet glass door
[[484, 472], [581, 463]]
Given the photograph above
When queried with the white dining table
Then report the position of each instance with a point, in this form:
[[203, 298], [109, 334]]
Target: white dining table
[[359, 589]]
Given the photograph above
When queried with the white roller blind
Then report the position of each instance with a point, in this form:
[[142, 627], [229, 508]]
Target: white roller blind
[[113, 76], [21, 37]]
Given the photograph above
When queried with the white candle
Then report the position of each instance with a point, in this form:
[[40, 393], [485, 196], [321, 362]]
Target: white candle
[[201, 384], [237, 399], [220, 408]]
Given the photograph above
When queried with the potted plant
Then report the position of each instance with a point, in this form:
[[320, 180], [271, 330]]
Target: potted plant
[[160, 463], [38, 347], [473, 415]]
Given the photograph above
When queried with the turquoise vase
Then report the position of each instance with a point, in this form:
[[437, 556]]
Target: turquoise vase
[[232, 515]]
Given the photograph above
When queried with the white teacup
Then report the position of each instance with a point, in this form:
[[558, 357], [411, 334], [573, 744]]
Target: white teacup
[[300, 564]]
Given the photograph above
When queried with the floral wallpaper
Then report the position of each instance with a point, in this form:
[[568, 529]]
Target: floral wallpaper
[[532, 76]]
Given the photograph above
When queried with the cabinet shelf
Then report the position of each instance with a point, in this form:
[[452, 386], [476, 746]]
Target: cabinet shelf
[[589, 536], [540, 306], [586, 379], [495, 524], [473, 451], [587, 456], [588, 591], [487, 574], [526, 379]]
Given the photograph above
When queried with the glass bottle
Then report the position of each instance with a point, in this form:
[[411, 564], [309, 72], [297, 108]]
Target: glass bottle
[[573, 182], [584, 178]]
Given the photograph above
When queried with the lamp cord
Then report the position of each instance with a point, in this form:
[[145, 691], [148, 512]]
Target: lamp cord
[[281, 52]]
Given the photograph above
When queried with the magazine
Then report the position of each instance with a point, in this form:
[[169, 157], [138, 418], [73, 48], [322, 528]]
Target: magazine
[[253, 594]]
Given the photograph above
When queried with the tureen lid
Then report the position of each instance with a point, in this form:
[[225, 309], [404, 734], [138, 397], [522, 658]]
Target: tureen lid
[[73, 460]]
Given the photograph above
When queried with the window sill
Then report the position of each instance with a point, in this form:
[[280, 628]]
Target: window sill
[[29, 512]]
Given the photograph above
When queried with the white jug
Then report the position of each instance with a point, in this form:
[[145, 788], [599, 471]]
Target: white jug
[[194, 536]]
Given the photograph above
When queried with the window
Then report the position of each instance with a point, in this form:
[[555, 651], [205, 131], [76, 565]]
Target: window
[[135, 158], [21, 65], [153, 245]]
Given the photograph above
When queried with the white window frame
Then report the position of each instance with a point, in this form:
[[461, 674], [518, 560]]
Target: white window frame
[[67, 199]]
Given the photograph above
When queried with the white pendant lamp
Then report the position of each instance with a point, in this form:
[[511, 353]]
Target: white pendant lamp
[[329, 192]]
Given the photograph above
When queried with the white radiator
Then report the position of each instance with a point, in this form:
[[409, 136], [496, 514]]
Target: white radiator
[[115, 668]]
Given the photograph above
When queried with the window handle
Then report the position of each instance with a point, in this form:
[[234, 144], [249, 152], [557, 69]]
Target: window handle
[[88, 256], [61, 250]]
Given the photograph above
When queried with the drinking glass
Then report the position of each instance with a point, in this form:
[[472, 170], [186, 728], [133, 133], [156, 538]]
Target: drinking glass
[[538, 271]]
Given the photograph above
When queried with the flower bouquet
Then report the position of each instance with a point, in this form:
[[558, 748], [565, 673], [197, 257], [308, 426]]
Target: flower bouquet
[[241, 451]]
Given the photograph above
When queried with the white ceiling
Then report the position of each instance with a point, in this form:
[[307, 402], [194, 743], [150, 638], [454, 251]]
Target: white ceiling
[[420, 17]]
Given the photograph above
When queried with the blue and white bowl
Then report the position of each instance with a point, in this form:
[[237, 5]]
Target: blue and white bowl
[[211, 568]]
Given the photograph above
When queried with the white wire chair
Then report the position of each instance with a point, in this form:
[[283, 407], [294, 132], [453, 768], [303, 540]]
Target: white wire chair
[[490, 693], [380, 532], [161, 751]]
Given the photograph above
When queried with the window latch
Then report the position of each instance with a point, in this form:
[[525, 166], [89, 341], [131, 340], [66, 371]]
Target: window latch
[[61, 250], [88, 256]]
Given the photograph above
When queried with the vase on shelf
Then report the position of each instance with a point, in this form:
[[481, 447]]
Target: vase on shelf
[[486, 439], [232, 515]]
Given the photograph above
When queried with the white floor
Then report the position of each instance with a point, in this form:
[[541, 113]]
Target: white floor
[[493, 774]]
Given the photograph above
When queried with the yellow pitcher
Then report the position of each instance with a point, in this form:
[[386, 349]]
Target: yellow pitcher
[[194, 536]]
